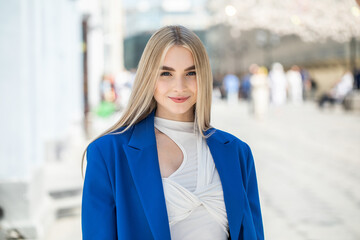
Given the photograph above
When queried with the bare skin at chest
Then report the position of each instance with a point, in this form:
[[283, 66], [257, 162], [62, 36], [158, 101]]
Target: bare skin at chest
[[169, 154]]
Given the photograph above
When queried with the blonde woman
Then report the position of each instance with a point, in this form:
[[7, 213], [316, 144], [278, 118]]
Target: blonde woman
[[162, 171]]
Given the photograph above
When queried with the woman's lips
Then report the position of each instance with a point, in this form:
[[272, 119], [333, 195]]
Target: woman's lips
[[179, 99]]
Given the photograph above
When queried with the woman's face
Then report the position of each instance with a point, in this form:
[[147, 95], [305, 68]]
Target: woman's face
[[176, 89]]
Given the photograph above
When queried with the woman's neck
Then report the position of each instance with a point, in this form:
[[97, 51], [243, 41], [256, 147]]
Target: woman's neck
[[185, 117]]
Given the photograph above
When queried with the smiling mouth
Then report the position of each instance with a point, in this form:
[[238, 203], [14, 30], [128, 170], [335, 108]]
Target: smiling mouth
[[179, 99]]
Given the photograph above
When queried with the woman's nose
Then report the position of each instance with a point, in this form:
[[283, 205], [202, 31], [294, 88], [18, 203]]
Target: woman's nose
[[179, 83]]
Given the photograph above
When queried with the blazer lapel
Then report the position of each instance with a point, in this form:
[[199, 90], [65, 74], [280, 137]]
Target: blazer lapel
[[226, 159], [142, 156]]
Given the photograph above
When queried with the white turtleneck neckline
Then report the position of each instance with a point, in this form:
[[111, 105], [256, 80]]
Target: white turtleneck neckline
[[175, 125]]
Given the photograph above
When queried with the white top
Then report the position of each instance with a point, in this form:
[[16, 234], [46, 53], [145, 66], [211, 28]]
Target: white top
[[344, 86], [193, 193]]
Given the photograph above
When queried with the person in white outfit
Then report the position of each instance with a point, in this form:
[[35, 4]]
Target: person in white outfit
[[339, 91], [278, 84], [295, 88], [260, 92]]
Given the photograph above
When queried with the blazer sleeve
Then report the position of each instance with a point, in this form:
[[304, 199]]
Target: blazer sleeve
[[253, 195], [98, 213]]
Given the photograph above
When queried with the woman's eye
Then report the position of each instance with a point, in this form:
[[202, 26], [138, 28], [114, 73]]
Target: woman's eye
[[165, 74], [191, 73]]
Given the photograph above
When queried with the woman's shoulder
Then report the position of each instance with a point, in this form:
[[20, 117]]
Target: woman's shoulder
[[227, 138], [241, 147]]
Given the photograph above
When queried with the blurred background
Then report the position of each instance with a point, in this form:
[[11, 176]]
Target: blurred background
[[286, 81]]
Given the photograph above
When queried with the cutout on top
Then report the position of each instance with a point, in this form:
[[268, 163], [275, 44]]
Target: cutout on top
[[170, 154]]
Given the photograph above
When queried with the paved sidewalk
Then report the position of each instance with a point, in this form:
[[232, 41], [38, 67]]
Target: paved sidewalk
[[308, 166], [308, 171]]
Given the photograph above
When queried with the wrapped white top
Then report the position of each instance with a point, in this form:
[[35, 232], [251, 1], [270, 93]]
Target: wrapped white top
[[193, 193]]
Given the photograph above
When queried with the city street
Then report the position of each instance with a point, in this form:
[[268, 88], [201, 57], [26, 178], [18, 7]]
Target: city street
[[307, 164]]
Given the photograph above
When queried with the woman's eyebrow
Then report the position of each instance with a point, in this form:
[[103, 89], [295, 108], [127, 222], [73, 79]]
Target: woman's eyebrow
[[171, 69], [167, 68], [190, 68]]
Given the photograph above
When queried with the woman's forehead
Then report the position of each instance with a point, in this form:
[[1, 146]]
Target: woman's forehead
[[178, 57]]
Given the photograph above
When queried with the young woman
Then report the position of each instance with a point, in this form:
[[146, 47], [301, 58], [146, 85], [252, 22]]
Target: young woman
[[162, 171]]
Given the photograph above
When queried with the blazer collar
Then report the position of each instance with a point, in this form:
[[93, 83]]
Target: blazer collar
[[143, 134], [143, 162]]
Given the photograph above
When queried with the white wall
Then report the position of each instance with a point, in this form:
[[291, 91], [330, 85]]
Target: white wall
[[40, 80]]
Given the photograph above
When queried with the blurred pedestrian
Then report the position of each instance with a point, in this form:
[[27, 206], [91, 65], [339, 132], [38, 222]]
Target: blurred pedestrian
[[295, 84], [306, 83], [162, 171], [107, 89], [340, 89], [278, 84], [260, 92], [357, 78], [231, 84], [124, 83], [109, 97], [245, 85], [218, 88]]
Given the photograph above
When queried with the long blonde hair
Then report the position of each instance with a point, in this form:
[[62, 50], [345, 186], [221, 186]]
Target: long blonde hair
[[142, 102]]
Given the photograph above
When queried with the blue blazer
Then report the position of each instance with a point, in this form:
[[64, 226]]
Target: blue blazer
[[123, 194]]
